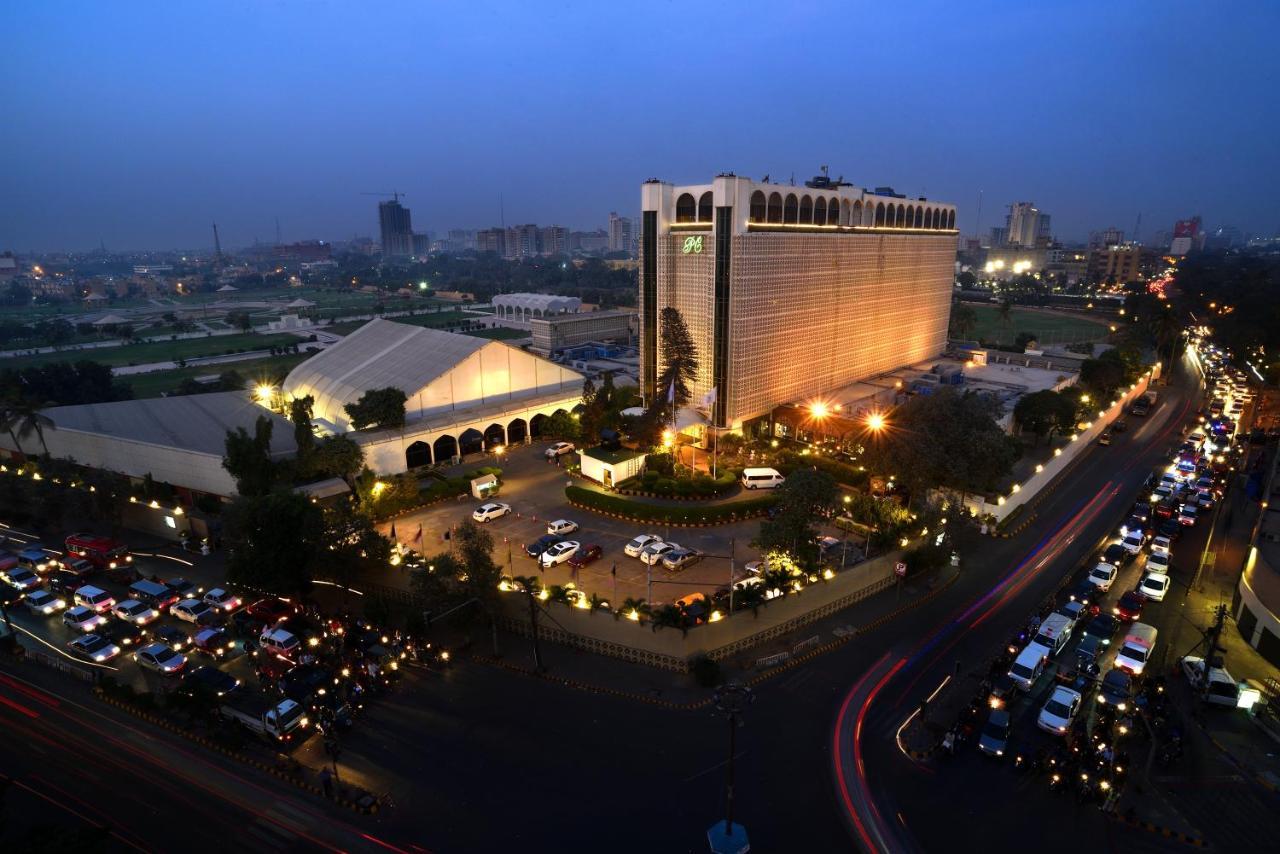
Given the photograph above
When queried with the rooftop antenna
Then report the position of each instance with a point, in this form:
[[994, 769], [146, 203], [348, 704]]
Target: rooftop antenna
[[824, 172], [217, 244]]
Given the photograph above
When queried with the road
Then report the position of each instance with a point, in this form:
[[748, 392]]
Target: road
[[78, 769]]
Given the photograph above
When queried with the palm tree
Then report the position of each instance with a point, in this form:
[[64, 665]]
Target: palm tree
[[21, 418], [637, 606], [1166, 329], [668, 615]]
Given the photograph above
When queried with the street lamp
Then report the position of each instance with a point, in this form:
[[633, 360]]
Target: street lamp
[[875, 422], [726, 836], [264, 392]]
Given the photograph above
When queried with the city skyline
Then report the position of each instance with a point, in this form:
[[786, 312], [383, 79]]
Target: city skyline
[[252, 122]]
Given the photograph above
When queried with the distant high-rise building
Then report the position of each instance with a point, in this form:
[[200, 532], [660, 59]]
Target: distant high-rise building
[[1110, 236], [522, 241], [1026, 226], [589, 241], [492, 240], [999, 237], [460, 240], [554, 240], [1224, 237], [396, 227], [422, 244], [1117, 263], [620, 234], [1186, 236]]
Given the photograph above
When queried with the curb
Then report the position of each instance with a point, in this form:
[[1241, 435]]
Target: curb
[[168, 725], [674, 524], [1018, 529], [1167, 833]]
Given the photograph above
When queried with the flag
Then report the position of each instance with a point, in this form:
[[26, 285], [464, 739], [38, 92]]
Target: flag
[[671, 392], [393, 533], [709, 399], [614, 571], [417, 538]]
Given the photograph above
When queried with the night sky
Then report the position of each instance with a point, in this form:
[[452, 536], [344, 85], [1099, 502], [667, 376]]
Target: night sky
[[139, 123]]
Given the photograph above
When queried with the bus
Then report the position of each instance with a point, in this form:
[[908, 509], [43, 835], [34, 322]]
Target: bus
[[102, 552]]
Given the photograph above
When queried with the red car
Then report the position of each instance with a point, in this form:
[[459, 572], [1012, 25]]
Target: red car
[[1129, 608], [586, 555]]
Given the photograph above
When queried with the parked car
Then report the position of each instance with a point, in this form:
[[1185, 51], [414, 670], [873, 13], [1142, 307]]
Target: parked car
[[1161, 545], [63, 583], [21, 578], [1116, 554], [1116, 689], [175, 637], [1188, 514], [558, 553], [194, 611], [678, 559], [184, 589], [559, 449], [490, 511], [1059, 711], [562, 527], [637, 545], [586, 555], [161, 659], [1103, 576], [1103, 627], [124, 634], [94, 648], [214, 642], [1223, 690], [1136, 525], [654, 552], [1129, 608], [42, 603], [540, 545], [1132, 544], [208, 680]]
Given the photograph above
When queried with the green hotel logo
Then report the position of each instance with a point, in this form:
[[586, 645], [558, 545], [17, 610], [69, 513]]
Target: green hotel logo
[[692, 244]]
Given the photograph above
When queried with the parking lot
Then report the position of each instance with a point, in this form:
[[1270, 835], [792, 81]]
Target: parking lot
[[534, 489]]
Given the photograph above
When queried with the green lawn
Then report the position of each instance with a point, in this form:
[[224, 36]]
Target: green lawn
[[153, 384], [434, 320], [499, 333], [1050, 328], [157, 351]]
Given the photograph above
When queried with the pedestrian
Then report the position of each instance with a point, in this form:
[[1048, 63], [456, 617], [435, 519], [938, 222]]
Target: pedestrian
[[326, 781]]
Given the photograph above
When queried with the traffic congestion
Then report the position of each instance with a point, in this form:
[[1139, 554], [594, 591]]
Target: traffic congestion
[[1085, 686]]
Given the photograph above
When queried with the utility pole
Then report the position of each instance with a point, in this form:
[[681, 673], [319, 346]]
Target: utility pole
[[533, 619], [726, 836], [731, 576], [1211, 654]]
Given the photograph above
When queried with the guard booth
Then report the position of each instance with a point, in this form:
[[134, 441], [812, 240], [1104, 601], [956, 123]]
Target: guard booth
[[485, 486]]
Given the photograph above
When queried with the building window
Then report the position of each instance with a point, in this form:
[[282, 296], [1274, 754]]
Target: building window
[[820, 211], [775, 207], [686, 208], [951, 219], [911, 217], [806, 210], [759, 207], [856, 217], [879, 213], [791, 209], [704, 207]]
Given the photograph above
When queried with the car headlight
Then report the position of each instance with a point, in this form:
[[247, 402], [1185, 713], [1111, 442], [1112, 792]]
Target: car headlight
[[1062, 729], [999, 752]]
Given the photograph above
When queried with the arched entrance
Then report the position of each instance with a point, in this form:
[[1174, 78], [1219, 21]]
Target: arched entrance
[[417, 454], [517, 431], [536, 424], [470, 442], [494, 435], [445, 447]]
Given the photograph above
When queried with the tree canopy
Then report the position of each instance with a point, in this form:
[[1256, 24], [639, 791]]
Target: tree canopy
[[63, 383], [274, 541], [680, 365], [1045, 413], [248, 458], [804, 496], [380, 407]]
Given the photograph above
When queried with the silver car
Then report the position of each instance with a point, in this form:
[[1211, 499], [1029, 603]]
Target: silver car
[[681, 558], [639, 544]]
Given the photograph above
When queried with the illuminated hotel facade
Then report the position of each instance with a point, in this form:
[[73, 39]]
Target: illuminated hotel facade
[[791, 292]]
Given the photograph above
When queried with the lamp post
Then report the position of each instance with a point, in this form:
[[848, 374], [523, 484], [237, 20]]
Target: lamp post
[[726, 837]]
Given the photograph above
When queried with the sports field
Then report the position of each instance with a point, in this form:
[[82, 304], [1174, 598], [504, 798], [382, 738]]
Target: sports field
[[1049, 327]]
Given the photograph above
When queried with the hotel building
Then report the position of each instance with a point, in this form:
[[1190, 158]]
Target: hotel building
[[792, 292]]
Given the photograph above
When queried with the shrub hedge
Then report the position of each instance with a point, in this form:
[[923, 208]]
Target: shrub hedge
[[683, 515], [699, 486], [843, 473]]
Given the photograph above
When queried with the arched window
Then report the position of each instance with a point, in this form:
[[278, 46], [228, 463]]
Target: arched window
[[791, 209], [879, 213], [470, 442], [820, 211], [517, 431], [806, 210], [902, 215], [775, 207], [494, 434], [911, 217], [937, 218], [686, 208], [536, 423], [857, 213], [759, 207], [704, 207], [417, 454], [951, 219], [919, 217], [849, 213], [445, 447]]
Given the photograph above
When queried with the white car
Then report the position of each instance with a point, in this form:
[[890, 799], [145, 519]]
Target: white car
[[1059, 711], [1204, 498], [559, 449], [654, 552], [192, 610], [757, 581], [638, 545], [1103, 576], [82, 619], [42, 603], [560, 527], [1132, 544], [133, 611], [20, 579], [223, 599], [1158, 562], [1155, 586], [560, 552], [94, 647], [1223, 690], [489, 512], [1161, 546], [158, 657]]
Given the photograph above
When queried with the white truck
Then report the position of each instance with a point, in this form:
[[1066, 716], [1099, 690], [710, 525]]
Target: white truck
[[1055, 631], [280, 722]]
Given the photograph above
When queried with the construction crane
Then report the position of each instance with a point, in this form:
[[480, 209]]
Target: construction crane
[[394, 194]]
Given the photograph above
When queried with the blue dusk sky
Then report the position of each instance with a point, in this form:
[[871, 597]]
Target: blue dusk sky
[[139, 123]]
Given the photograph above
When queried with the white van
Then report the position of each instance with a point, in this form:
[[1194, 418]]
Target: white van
[[95, 598], [1136, 650], [279, 642], [1029, 665], [761, 478], [1055, 631]]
